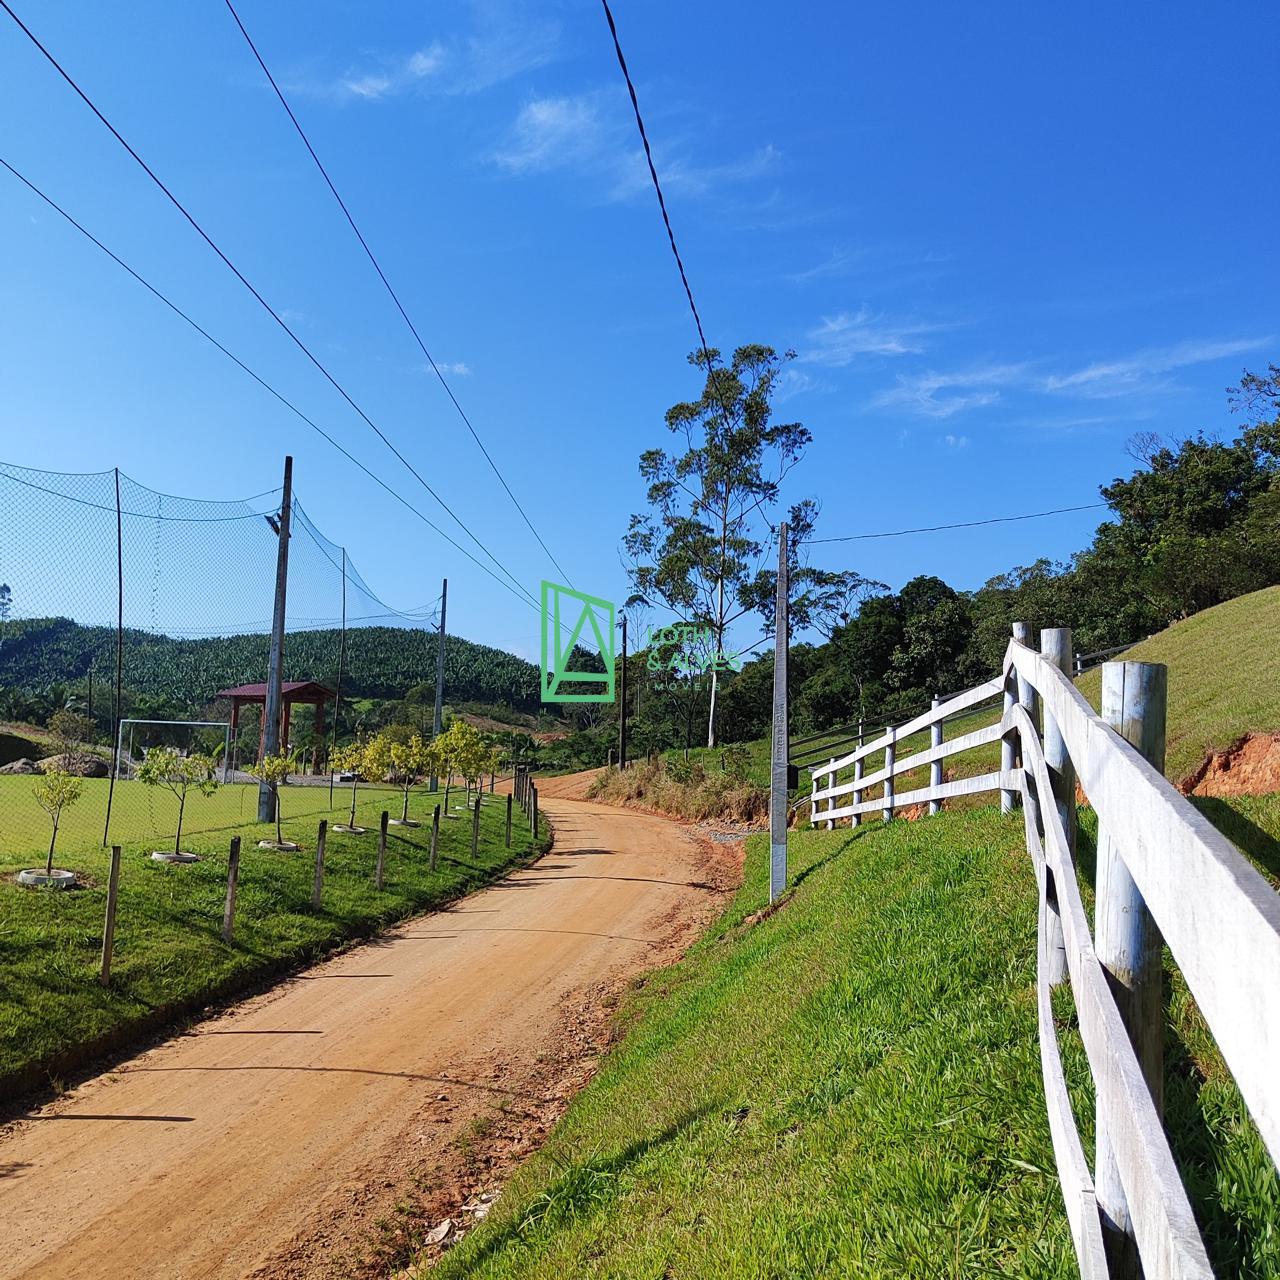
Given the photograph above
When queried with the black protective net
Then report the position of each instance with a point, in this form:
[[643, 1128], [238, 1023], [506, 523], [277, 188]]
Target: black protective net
[[99, 571]]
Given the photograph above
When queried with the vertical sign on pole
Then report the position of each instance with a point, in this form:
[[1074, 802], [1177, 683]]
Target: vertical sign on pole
[[779, 749], [271, 744], [437, 719]]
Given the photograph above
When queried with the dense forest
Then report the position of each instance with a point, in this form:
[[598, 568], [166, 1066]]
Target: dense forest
[[1197, 522], [178, 677]]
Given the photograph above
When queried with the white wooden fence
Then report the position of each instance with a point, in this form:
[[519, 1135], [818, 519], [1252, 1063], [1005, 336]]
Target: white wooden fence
[[1164, 872]]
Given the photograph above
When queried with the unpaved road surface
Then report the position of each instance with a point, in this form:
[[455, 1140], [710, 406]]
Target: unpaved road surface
[[267, 1141]]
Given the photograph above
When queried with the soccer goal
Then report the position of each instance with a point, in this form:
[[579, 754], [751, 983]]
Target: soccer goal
[[137, 736]]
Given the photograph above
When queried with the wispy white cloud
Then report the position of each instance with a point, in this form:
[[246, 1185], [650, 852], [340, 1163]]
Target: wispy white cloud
[[939, 395], [503, 44], [1145, 370], [589, 133], [956, 442], [458, 368], [840, 339], [793, 382], [844, 261]]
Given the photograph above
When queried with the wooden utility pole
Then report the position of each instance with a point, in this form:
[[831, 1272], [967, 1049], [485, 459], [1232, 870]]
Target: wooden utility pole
[[437, 719], [275, 669], [622, 702], [778, 771]]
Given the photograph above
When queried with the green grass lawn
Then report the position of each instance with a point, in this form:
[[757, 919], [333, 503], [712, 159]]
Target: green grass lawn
[[1224, 676], [169, 955], [851, 1087]]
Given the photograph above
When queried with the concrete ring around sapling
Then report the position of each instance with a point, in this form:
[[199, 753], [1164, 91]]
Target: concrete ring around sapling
[[181, 858], [401, 822], [280, 846], [348, 830], [36, 878]]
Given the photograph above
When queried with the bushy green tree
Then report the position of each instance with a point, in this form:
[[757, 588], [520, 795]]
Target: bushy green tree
[[56, 791], [165, 767]]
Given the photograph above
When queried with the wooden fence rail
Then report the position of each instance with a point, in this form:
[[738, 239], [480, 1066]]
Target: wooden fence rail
[[1216, 913]]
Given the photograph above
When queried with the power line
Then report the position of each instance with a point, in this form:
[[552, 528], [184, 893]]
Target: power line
[[963, 524], [653, 172], [435, 368], [204, 235], [520, 593]]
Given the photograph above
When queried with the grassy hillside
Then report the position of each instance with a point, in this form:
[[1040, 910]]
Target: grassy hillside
[[851, 1087], [1224, 676]]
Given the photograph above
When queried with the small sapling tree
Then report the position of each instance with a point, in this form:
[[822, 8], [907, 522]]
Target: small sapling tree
[[273, 770], [56, 791], [165, 767], [350, 759], [409, 760]]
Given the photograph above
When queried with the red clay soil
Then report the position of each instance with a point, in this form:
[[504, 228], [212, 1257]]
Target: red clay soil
[[323, 1129], [1249, 767]]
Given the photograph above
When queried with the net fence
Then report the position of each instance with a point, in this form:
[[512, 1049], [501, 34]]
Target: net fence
[[132, 618]]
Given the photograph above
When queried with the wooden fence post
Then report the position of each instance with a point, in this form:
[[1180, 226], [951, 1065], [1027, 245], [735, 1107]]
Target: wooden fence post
[[1055, 647], [435, 833], [233, 876], [1134, 703], [382, 850], [509, 800], [935, 769], [475, 828], [317, 887], [858, 770], [533, 810], [1015, 690], [109, 926], [889, 756]]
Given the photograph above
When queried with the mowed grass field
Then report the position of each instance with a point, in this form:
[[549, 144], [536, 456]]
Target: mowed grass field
[[169, 955], [850, 1086]]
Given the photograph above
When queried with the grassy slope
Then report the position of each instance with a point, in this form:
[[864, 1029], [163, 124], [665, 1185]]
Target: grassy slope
[[1224, 676], [169, 955], [851, 1086]]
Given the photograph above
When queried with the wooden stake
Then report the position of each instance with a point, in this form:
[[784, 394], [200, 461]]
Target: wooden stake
[[935, 769], [382, 849], [318, 887], [509, 800], [435, 835], [475, 828], [233, 876], [109, 927]]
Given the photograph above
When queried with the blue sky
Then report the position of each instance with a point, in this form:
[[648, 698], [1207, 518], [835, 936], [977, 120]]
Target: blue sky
[[1001, 239]]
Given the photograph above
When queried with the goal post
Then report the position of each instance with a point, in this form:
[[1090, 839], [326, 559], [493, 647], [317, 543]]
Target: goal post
[[130, 726]]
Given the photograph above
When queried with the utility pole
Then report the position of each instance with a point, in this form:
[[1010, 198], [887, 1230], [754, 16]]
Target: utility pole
[[622, 702], [779, 773], [275, 668], [437, 721]]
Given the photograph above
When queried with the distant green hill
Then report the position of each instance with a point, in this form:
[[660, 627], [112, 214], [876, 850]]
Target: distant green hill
[[381, 662]]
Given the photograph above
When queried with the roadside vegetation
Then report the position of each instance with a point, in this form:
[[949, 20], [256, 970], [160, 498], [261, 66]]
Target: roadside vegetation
[[170, 959], [850, 1085]]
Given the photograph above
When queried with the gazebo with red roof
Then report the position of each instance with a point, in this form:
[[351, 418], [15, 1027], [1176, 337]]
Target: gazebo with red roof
[[307, 692]]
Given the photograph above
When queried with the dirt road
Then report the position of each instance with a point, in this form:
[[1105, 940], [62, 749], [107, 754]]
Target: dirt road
[[267, 1141]]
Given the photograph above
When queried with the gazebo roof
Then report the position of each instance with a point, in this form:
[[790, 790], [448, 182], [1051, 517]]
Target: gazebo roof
[[292, 690]]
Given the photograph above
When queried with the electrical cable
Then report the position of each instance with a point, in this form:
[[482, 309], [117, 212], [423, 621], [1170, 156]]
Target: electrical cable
[[280, 321], [519, 592], [963, 524], [435, 368]]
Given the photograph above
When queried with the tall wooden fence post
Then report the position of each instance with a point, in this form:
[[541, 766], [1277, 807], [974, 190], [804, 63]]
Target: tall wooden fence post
[[858, 771], [890, 753], [509, 800], [475, 828], [1134, 703], [317, 887], [233, 877], [435, 833], [109, 925], [382, 850], [935, 769], [779, 751], [533, 811], [1055, 647], [831, 803]]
